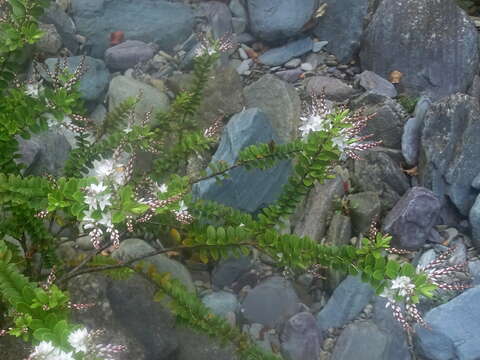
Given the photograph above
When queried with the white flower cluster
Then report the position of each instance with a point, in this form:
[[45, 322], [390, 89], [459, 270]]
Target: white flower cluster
[[34, 88], [316, 118], [400, 286], [81, 341]]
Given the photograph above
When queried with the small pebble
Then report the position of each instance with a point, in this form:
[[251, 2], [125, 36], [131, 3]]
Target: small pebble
[[293, 63], [306, 67], [242, 53], [319, 45]]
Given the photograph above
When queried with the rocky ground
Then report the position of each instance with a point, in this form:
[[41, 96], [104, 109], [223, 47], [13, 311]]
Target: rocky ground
[[412, 63]]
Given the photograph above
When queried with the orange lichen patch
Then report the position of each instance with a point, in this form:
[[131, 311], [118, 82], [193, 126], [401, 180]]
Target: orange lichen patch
[[395, 77], [116, 37]]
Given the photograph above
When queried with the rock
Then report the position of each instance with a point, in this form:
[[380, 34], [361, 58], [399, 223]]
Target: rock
[[199, 346], [221, 303], [319, 45], [378, 171], [164, 23], [426, 258], [290, 76], [452, 327], [279, 20], [64, 25], [474, 268], [342, 26], [423, 105], [301, 339], [306, 67], [474, 219], [127, 54], [388, 119], [318, 209], [365, 207], [93, 83], [293, 63], [271, 302], [335, 89], [148, 321], [476, 182], [376, 84], [474, 90], [98, 114], [280, 55], [122, 87], [133, 248], [412, 218], [226, 272], [411, 141], [340, 230], [279, 101], [218, 16], [51, 42], [347, 301], [46, 152], [396, 347], [239, 25], [245, 190], [244, 66], [450, 150], [93, 289], [361, 341], [399, 29]]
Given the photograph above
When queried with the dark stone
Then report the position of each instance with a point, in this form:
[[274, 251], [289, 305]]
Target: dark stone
[[280, 55], [127, 54], [474, 218], [219, 17], [347, 301], [342, 27], [412, 218], [164, 23], [365, 207], [301, 339], [453, 329], [376, 84], [228, 271], [280, 19], [448, 40], [451, 149], [271, 302], [245, 190], [335, 89], [64, 25]]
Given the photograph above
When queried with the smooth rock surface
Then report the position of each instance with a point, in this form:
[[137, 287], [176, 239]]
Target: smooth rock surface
[[271, 302], [127, 54], [64, 25], [280, 55], [221, 303], [227, 271], [376, 84], [280, 19], [365, 207], [412, 218], [301, 339], [279, 101], [245, 190], [335, 89], [411, 141], [448, 40]]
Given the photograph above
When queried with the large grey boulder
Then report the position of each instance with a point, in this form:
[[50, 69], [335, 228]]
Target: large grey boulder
[[93, 83], [245, 190], [376, 84], [347, 301], [342, 26], [453, 329], [448, 40], [301, 339], [127, 54], [280, 55], [279, 101], [411, 220], [271, 302], [335, 89], [279, 20], [451, 149], [165, 23], [365, 207], [378, 171], [218, 16]]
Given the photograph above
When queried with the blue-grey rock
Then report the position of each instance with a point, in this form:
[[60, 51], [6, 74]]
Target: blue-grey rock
[[476, 182], [474, 219], [199, 346], [448, 40], [221, 303], [271, 302], [127, 54], [342, 26], [218, 16], [412, 218], [279, 101], [93, 83], [365, 207], [64, 25], [412, 133], [396, 347], [376, 84], [335, 89], [165, 23], [362, 341], [245, 190], [347, 301], [379, 171], [227, 271], [474, 268], [453, 329], [451, 149], [319, 45], [280, 55], [423, 105], [51, 42], [280, 19], [290, 75], [301, 339]]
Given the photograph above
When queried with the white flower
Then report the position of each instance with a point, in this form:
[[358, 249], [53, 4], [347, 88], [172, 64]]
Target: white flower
[[183, 207], [341, 143], [106, 220], [96, 198], [96, 188], [162, 188], [403, 284], [79, 340], [103, 168], [128, 129], [389, 294], [46, 351], [33, 89]]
